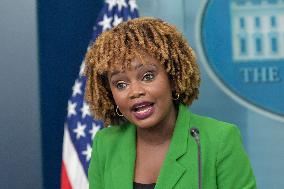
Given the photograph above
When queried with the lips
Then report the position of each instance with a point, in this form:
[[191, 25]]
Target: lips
[[143, 110]]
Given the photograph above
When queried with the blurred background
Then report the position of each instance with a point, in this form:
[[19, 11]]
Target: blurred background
[[42, 47]]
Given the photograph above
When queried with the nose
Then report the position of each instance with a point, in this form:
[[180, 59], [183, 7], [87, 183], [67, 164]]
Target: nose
[[136, 90]]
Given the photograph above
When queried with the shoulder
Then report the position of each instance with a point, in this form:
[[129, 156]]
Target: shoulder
[[111, 136], [211, 125], [214, 132], [203, 123], [222, 143], [112, 131]]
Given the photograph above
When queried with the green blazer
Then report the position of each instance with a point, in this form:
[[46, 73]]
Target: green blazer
[[225, 164]]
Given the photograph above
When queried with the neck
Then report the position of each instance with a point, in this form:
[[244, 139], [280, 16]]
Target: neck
[[159, 134]]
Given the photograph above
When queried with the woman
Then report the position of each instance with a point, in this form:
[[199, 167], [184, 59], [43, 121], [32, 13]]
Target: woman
[[141, 75]]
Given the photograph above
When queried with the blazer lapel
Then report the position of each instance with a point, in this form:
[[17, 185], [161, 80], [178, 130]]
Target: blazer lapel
[[123, 171], [172, 171]]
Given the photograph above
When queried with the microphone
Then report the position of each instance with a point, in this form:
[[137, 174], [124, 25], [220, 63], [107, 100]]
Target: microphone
[[194, 132]]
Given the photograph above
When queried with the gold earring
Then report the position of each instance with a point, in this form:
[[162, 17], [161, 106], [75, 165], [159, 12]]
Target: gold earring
[[176, 96], [118, 112]]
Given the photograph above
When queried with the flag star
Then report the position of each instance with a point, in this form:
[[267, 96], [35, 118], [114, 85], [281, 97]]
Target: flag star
[[117, 20], [80, 130], [85, 110], [82, 68], [88, 152], [111, 4], [106, 22], [94, 130], [121, 4], [71, 108], [133, 5], [77, 88]]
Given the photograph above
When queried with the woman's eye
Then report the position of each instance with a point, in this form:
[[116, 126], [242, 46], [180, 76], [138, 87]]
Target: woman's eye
[[120, 85], [149, 76]]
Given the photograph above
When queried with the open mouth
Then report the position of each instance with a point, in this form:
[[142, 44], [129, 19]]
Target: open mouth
[[142, 107], [143, 110]]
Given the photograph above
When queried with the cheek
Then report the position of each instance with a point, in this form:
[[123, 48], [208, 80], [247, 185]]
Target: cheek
[[116, 98], [164, 86], [162, 91], [119, 98], [114, 95]]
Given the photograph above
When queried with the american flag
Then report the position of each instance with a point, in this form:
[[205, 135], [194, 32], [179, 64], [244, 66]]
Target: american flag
[[80, 128]]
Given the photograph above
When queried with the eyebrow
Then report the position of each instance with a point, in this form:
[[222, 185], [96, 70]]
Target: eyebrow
[[136, 68], [114, 73]]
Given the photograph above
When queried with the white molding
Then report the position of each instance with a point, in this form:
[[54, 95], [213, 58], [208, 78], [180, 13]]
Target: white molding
[[215, 78]]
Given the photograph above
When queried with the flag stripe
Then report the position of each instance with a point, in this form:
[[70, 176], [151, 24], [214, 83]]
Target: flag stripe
[[65, 183], [74, 169]]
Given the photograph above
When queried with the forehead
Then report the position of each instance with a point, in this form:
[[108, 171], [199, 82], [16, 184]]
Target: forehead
[[139, 61]]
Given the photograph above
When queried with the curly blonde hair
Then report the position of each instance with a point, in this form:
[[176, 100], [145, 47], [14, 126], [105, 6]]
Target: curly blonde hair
[[118, 46]]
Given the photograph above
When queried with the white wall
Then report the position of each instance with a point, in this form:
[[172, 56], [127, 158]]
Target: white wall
[[20, 153]]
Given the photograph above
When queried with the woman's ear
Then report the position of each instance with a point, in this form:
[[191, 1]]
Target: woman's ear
[[173, 85]]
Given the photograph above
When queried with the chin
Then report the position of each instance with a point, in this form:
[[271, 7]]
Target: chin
[[145, 124]]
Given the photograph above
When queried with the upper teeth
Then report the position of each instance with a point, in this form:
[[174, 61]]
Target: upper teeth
[[140, 107]]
